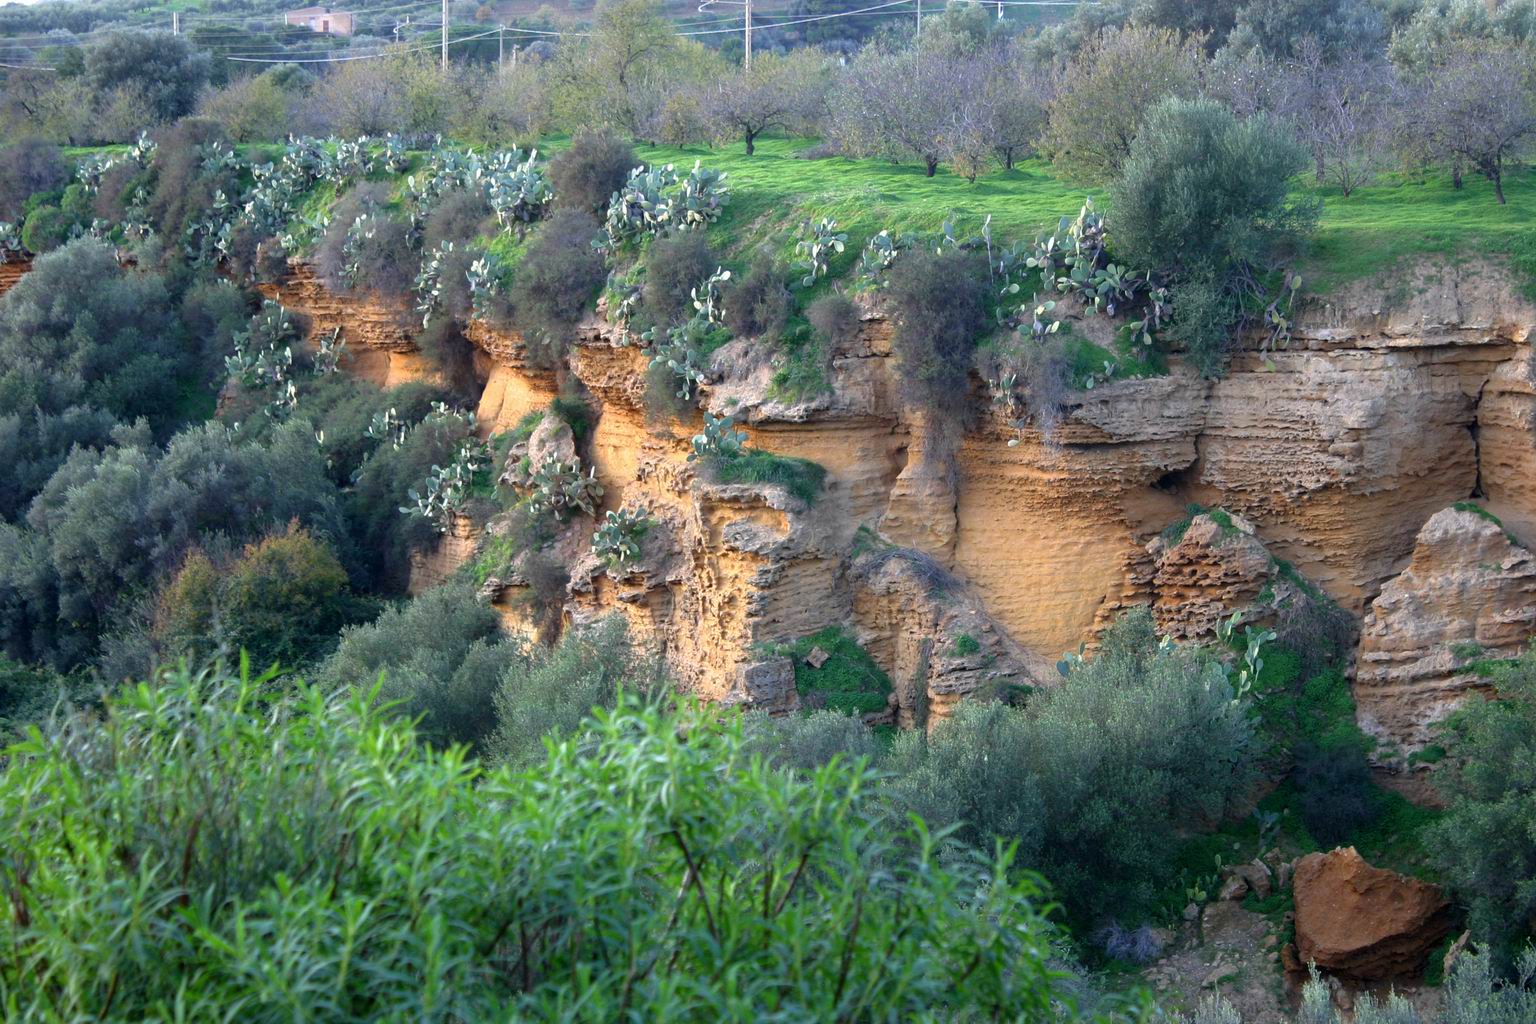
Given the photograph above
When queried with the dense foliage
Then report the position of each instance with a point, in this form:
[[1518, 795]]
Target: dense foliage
[[207, 843], [1485, 843]]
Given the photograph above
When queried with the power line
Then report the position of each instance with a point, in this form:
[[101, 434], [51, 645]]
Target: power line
[[361, 56]]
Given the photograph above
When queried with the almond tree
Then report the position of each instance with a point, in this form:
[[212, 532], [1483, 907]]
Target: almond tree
[[1478, 109], [777, 93], [897, 105]]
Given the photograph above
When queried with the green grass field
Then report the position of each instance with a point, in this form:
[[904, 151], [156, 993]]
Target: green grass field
[[1364, 234]]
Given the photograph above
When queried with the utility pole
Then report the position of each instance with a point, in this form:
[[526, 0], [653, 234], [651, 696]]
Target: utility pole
[[501, 46], [445, 35], [919, 22], [175, 23], [747, 58]]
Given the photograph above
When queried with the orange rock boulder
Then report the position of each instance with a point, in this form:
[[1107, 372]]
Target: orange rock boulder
[[1363, 922]]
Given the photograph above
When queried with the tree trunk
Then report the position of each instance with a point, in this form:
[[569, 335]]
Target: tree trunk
[[1456, 176], [932, 163], [751, 142], [1498, 185]]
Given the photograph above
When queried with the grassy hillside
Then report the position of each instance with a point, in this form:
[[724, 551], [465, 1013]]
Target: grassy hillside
[[1359, 235]]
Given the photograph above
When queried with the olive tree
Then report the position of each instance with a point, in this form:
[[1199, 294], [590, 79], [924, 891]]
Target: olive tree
[[1205, 199], [161, 67]]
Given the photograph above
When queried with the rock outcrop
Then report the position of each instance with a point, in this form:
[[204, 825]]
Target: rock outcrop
[[1468, 594], [1363, 922], [934, 634], [1335, 451]]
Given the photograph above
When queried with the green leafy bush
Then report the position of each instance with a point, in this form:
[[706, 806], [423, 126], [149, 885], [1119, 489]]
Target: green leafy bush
[[442, 657], [810, 740], [552, 692], [111, 522], [1482, 845], [1205, 198], [200, 845], [1096, 778], [281, 601]]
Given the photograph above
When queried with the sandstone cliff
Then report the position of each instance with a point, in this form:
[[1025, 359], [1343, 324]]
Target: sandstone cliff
[[1390, 405], [1334, 453]]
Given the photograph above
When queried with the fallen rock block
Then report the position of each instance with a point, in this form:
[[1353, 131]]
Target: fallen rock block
[[1364, 922]]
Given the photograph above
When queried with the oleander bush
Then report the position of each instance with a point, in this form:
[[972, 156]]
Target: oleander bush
[[209, 841]]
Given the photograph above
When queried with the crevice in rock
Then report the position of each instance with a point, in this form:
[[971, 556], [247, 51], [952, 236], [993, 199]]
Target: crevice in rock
[[1475, 430]]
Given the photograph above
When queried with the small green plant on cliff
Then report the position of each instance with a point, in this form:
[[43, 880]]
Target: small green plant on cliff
[[723, 451]]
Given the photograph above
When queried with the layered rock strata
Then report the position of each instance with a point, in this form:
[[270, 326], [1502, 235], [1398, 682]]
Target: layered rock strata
[[1385, 409], [1467, 596]]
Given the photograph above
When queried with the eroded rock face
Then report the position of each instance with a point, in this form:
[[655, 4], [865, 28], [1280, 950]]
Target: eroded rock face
[[1469, 593], [935, 635], [1363, 922], [1335, 451], [1216, 567]]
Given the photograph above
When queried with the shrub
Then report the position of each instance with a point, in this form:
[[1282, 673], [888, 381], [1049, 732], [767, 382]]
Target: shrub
[[111, 523], [281, 601], [556, 281], [442, 657], [384, 537], [29, 695], [809, 741], [445, 346], [835, 319], [213, 311], [757, 304], [260, 108], [590, 170], [27, 167], [201, 845], [1335, 791], [1096, 778], [940, 303], [1482, 844], [80, 330], [676, 265], [1205, 199], [553, 692], [50, 225], [184, 182], [33, 444], [459, 217]]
